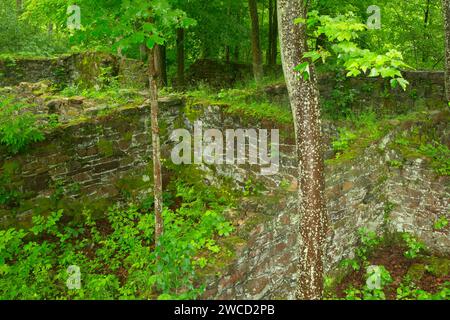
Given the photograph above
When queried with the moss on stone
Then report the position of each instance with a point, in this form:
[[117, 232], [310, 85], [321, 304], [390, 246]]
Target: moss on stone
[[439, 267], [416, 271], [105, 147]]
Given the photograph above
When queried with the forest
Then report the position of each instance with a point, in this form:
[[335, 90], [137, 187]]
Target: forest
[[224, 150]]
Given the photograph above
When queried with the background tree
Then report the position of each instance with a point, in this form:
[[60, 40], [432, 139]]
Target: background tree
[[258, 72], [125, 26], [272, 47], [446, 12]]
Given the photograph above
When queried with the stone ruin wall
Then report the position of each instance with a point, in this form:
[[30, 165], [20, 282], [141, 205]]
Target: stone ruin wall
[[97, 159]]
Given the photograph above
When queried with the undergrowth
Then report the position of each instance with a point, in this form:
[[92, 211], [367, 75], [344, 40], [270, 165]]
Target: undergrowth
[[117, 257]]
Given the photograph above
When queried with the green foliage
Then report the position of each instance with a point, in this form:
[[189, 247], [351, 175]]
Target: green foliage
[[249, 101], [441, 223], [375, 293], [369, 241], [410, 292], [25, 37], [342, 31], [414, 246], [116, 256], [416, 144], [440, 155], [17, 128], [346, 137]]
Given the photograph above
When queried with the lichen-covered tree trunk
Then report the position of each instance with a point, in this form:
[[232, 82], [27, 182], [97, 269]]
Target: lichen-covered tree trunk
[[304, 98], [156, 150], [446, 12], [256, 44]]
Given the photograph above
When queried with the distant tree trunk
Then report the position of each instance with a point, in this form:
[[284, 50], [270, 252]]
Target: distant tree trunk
[[162, 65], [426, 14], [304, 98], [256, 45], [269, 46], [153, 84], [446, 10], [272, 49], [180, 57], [19, 6], [227, 54], [143, 52], [274, 43], [236, 54]]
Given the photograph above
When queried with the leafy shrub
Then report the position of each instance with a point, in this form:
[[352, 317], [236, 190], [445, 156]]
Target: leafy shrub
[[117, 256], [346, 137], [440, 156], [17, 129], [441, 223], [414, 246]]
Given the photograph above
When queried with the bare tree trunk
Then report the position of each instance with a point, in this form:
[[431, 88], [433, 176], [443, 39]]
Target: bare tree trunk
[[227, 54], [153, 85], [162, 65], [256, 45], [304, 98], [143, 52], [446, 10], [19, 6], [272, 49], [269, 43], [426, 14], [274, 42], [236, 54], [180, 57]]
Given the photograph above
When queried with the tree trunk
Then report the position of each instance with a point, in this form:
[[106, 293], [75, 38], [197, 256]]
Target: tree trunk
[[269, 43], [272, 49], [180, 57], [256, 45], [162, 65], [274, 42], [143, 52], [304, 98], [446, 10], [153, 85], [227, 54], [236, 54]]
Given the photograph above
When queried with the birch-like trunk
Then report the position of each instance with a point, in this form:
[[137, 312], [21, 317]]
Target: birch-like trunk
[[304, 98], [153, 85], [446, 12]]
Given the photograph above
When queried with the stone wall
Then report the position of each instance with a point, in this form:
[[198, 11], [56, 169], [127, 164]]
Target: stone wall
[[364, 192], [82, 69], [426, 90], [93, 162], [88, 163]]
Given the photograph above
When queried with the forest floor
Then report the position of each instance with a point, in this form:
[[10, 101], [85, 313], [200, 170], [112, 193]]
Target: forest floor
[[410, 277]]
